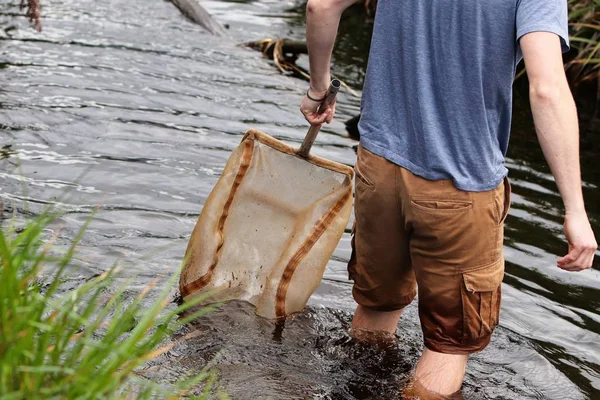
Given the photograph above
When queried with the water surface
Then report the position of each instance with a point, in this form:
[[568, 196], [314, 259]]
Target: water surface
[[127, 105]]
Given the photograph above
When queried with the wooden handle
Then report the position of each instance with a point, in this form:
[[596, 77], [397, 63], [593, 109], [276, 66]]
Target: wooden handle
[[311, 135]]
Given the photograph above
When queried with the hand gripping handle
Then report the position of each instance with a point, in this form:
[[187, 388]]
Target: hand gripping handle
[[334, 88]]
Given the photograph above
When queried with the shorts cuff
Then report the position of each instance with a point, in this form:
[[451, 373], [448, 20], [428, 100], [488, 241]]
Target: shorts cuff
[[380, 305], [458, 349]]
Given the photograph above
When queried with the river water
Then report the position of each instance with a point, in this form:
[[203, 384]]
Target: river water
[[127, 105]]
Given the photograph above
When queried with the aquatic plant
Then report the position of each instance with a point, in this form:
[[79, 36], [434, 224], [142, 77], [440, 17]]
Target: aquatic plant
[[88, 342]]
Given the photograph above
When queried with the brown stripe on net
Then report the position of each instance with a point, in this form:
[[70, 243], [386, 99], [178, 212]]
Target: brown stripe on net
[[309, 242], [246, 159]]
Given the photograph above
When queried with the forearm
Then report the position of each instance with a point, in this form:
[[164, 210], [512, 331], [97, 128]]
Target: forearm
[[322, 21], [557, 129]]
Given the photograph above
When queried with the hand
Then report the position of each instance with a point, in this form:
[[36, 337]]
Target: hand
[[309, 108], [582, 244]]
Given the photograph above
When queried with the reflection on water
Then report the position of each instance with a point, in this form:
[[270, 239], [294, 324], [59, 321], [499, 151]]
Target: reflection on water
[[128, 105]]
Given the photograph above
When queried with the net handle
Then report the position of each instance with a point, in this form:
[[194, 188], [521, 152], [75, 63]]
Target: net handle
[[313, 131]]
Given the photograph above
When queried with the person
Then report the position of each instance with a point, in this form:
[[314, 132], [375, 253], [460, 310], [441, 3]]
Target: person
[[431, 187]]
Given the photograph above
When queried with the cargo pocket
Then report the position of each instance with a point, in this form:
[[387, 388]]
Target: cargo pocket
[[481, 293]]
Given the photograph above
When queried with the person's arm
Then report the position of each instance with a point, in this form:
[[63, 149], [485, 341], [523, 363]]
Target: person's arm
[[322, 21], [557, 130]]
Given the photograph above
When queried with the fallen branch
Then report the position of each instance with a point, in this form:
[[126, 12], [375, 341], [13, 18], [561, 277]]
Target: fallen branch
[[192, 10], [284, 53], [287, 47]]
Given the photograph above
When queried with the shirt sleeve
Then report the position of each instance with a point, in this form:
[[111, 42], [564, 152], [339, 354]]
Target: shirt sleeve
[[543, 16]]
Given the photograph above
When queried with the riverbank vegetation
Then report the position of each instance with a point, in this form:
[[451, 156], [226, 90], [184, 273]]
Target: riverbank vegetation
[[86, 342], [582, 62], [584, 22]]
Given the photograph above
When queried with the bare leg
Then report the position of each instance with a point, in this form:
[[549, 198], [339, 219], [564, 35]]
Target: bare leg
[[441, 373], [372, 320], [436, 372]]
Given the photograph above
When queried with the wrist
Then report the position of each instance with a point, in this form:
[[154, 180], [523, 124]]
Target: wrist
[[313, 98], [577, 210], [318, 89]]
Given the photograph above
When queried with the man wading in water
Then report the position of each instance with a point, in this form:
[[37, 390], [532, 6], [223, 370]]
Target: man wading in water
[[431, 188]]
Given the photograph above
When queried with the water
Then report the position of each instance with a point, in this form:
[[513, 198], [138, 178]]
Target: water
[[127, 105]]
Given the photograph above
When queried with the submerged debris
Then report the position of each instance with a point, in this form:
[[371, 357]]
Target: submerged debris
[[6, 151], [284, 53]]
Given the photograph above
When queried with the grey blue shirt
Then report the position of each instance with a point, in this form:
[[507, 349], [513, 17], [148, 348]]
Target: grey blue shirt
[[437, 98]]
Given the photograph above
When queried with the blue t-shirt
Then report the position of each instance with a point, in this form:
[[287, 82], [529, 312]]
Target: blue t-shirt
[[437, 98]]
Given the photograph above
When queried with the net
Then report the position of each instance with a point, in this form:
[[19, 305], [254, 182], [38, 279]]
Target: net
[[268, 228]]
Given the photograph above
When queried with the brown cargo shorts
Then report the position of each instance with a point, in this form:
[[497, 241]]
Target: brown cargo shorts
[[414, 233]]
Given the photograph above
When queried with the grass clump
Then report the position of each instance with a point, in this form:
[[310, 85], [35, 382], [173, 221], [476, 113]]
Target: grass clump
[[83, 343]]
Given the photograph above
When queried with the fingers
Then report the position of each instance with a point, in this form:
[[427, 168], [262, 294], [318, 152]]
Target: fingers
[[589, 261], [316, 119], [309, 109], [330, 112], [578, 259], [570, 257], [576, 264], [327, 115], [582, 243]]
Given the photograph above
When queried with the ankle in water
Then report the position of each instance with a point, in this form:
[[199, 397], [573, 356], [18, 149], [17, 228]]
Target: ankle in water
[[415, 390]]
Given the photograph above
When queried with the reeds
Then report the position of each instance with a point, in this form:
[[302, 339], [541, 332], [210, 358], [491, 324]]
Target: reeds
[[83, 343], [584, 22]]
